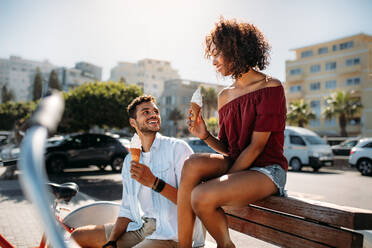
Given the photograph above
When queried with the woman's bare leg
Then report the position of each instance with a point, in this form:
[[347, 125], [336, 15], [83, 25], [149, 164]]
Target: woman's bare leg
[[238, 189], [197, 168]]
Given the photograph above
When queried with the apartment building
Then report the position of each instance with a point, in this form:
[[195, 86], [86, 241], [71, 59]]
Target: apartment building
[[178, 95], [18, 75], [320, 69], [89, 70], [150, 74], [83, 72]]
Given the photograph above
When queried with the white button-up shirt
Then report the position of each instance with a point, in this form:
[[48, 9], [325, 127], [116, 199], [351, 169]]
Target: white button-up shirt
[[167, 156]]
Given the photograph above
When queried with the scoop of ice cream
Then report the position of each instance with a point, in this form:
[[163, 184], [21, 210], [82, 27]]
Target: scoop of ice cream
[[135, 142], [197, 97]]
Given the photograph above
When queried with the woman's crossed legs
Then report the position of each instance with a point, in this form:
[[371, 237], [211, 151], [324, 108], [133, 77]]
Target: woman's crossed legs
[[219, 189]]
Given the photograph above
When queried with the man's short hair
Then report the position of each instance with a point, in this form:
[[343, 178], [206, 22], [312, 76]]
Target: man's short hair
[[137, 101]]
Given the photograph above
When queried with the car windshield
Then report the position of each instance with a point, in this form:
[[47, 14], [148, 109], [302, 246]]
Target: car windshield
[[314, 140]]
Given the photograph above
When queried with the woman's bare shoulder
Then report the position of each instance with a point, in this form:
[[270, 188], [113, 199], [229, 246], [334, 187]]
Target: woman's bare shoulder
[[273, 82], [223, 96]]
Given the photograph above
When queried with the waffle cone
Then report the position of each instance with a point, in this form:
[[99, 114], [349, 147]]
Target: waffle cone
[[195, 109], [136, 153]]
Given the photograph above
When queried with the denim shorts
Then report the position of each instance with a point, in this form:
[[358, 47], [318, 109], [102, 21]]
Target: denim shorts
[[277, 174]]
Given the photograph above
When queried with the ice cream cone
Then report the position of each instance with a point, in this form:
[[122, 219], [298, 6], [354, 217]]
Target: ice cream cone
[[135, 148], [195, 109], [136, 153]]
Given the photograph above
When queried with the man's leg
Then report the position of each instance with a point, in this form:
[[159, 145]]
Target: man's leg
[[154, 243], [96, 236]]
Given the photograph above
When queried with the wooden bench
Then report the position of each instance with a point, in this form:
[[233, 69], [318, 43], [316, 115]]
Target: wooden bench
[[296, 222]]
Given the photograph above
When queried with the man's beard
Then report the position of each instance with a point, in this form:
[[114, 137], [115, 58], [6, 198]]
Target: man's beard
[[145, 130]]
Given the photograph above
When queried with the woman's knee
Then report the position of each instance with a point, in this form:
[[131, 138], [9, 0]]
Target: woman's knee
[[202, 200], [192, 168]]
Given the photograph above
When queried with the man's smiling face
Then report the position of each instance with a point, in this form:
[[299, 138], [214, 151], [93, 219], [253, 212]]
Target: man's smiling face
[[147, 118]]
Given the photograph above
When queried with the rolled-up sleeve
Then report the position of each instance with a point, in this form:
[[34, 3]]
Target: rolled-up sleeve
[[125, 206], [182, 151]]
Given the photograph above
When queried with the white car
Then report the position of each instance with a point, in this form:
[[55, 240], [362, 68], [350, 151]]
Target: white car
[[303, 147], [361, 156]]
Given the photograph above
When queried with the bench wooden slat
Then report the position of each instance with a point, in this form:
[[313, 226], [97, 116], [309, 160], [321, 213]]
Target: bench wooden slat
[[297, 226], [270, 235], [352, 218]]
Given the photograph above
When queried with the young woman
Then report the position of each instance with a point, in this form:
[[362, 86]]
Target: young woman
[[252, 114]]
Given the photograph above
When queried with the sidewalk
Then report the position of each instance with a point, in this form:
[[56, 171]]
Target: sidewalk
[[20, 225]]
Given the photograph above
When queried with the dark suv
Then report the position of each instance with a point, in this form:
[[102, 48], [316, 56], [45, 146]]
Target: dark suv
[[82, 150]]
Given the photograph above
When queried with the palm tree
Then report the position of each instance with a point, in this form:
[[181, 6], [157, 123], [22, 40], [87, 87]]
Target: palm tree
[[175, 115], [209, 100], [299, 113], [343, 105]]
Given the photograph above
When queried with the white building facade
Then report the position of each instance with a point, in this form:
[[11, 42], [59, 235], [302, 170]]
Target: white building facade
[[18, 75], [149, 74]]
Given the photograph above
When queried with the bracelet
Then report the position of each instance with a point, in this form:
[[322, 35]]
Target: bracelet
[[207, 136], [160, 186], [155, 183], [110, 243]]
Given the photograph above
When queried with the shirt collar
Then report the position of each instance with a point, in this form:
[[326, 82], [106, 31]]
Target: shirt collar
[[156, 142]]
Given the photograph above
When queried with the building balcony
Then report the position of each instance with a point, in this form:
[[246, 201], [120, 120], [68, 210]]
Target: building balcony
[[295, 78], [294, 95], [350, 69]]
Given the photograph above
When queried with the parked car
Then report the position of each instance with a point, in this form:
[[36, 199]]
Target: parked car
[[361, 156], [303, 147], [198, 145], [125, 142], [82, 150], [344, 148]]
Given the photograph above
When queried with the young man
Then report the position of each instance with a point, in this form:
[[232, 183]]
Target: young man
[[148, 212]]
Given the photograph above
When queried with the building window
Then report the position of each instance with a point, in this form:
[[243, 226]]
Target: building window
[[295, 88], [323, 50], [331, 84], [186, 100], [330, 66], [314, 68], [330, 122], [306, 54], [296, 71], [352, 61], [352, 81], [315, 86], [168, 100], [355, 121], [346, 45], [315, 107]]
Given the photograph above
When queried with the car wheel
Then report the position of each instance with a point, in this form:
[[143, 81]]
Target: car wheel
[[365, 167], [55, 165], [315, 168], [295, 164], [117, 164]]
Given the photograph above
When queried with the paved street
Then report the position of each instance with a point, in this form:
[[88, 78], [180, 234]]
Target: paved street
[[20, 226]]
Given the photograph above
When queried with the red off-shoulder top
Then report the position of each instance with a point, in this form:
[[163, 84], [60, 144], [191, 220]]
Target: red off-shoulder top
[[263, 110]]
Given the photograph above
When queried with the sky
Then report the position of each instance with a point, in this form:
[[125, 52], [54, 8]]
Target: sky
[[104, 32]]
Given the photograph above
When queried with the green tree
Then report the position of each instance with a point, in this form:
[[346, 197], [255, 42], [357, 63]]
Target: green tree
[[209, 100], [6, 95], [53, 81], [101, 104], [122, 80], [343, 105], [212, 125], [175, 115], [299, 113], [38, 85], [12, 112]]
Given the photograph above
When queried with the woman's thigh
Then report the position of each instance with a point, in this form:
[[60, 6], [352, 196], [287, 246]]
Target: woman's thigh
[[237, 189], [205, 166]]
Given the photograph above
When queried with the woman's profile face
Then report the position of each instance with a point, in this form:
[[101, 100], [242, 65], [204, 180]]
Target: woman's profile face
[[221, 65]]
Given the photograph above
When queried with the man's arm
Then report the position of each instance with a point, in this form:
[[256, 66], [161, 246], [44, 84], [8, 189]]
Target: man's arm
[[142, 174], [119, 228]]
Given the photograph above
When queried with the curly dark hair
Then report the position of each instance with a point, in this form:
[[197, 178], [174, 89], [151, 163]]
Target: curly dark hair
[[242, 46], [131, 109]]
